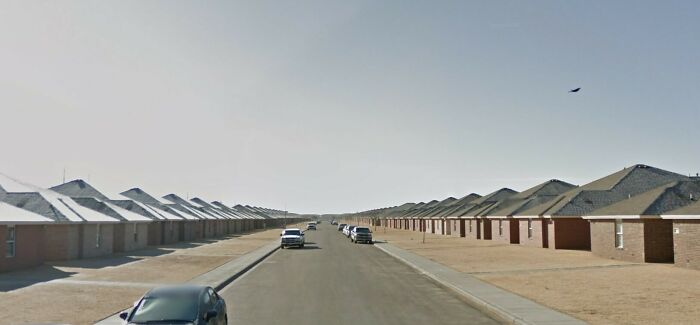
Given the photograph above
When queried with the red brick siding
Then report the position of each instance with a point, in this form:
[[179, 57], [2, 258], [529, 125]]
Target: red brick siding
[[475, 229], [504, 235], [686, 243], [90, 248], [603, 240], [61, 242], [539, 235], [29, 250]]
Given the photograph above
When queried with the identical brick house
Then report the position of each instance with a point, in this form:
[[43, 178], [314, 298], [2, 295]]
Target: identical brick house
[[21, 237], [634, 229], [640, 213], [504, 227], [74, 220]]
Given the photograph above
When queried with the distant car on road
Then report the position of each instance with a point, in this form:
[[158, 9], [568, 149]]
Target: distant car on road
[[348, 229], [341, 226], [311, 226], [292, 237], [182, 304], [361, 234]]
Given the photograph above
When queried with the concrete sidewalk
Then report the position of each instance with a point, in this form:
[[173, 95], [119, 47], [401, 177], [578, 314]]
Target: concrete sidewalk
[[499, 303], [221, 276]]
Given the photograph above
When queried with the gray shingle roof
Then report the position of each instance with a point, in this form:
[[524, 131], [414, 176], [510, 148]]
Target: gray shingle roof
[[654, 202], [605, 191]]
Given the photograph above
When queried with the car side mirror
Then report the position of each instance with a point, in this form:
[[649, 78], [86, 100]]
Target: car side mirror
[[124, 315], [280, 235], [210, 314]]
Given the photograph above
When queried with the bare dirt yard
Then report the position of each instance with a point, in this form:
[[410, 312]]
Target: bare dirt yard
[[594, 289], [85, 291]]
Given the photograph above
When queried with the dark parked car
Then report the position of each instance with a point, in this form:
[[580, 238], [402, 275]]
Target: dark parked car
[[184, 304], [341, 226]]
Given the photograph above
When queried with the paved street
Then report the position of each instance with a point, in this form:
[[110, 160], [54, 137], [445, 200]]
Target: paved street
[[333, 281]]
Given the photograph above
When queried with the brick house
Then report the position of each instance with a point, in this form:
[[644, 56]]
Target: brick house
[[686, 234], [480, 225], [562, 225], [633, 230], [21, 238], [507, 229]]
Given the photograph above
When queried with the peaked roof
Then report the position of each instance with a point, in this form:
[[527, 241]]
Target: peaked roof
[[605, 191], [654, 202], [140, 195], [535, 195], [79, 188], [48, 203], [12, 214]]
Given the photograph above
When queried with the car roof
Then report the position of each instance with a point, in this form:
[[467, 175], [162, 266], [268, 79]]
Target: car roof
[[292, 229], [175, 289]]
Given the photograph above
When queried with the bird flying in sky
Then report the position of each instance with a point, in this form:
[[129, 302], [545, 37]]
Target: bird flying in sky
[[575, 90]]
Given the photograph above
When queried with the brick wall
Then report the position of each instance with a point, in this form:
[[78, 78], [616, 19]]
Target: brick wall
[[502, 234], [29, 250], [61, 242], [569, 233], [603, 240], [474, 232], [90, 247], [686, 243], [539, 234], [141, 239]]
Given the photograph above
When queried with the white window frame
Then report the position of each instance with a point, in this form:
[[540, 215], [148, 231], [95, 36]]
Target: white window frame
[[529, 228], [619, 234], [11, 241], [98, 236], [500, 227]]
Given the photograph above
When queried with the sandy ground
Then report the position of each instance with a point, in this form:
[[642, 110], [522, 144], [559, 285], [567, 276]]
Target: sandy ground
[[597, 290], [84, 291]]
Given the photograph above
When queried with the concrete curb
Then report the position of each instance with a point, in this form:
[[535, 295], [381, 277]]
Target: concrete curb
[[496, 302], [221, 276]]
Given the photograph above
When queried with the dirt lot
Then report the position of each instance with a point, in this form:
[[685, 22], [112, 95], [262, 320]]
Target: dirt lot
[[597, 290], [84, 291]]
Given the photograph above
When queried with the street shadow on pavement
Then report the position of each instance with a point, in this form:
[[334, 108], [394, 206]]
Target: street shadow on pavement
[[19, 279]]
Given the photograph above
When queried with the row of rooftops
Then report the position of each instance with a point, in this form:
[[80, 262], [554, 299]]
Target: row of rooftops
[[78, 201], [633, 192]]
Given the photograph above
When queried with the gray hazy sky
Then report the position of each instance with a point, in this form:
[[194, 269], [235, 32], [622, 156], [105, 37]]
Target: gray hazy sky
[[342, 106]]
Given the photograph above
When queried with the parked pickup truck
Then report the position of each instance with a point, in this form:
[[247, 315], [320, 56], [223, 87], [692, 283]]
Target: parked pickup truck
[[292, 237], [361, 234]]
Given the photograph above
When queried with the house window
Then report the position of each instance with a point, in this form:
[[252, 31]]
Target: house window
[[470, 226], [136, 234], [529, 228], [10, 242], [98, 237], [618, 234], [500, 227]]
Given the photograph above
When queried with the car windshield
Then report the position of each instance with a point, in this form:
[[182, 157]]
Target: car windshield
[[172, 308], [362, 230], [292, 232]]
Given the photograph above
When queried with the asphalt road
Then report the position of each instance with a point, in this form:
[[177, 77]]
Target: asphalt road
[[333, 281]]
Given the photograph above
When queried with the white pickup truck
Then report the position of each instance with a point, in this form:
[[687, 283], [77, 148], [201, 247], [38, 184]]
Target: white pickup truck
[[361, 234], [292, 237]]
